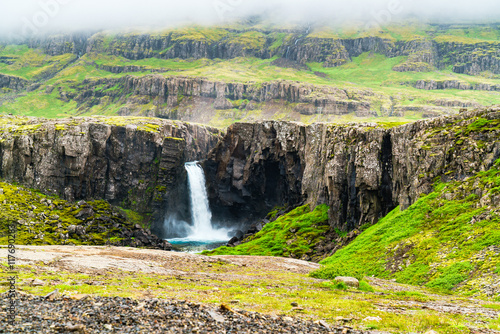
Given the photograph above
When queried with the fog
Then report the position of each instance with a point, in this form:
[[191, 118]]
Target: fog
[[30, 17]]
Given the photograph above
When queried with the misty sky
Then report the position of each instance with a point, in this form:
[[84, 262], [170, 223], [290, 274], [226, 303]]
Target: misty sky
[[35, 16]]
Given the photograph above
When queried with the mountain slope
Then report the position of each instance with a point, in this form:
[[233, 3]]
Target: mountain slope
[[219, 75]]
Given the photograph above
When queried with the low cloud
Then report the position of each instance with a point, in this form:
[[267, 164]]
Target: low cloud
[[30, 17]]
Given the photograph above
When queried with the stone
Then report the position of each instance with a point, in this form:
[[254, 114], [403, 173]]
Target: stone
[[37, 282], [324, 324], [85, 213], [216, 316], [74, 328], [52, 295], [349, 281], [232, 241], [79, 296]]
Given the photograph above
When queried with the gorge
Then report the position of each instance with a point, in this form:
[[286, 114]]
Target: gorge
[[362, 171]]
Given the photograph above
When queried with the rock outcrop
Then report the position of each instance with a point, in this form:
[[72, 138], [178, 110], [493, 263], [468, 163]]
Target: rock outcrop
[[55, 45], [453, 84], [13, 82], [133, 163], [200, 96], [361, 171]]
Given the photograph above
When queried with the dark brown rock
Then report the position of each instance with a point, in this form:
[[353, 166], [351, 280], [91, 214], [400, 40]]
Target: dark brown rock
[[361, 171]]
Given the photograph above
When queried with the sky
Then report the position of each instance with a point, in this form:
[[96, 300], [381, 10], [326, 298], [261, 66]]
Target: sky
[[31, 17]]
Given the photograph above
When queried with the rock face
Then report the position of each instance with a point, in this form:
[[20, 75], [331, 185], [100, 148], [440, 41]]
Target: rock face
[[56, 45], [202, 96], [361, 171], [299, 45], [12, 82], [454, 84], [138, 165]]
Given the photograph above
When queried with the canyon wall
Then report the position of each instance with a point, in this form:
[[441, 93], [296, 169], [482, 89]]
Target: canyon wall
[[135, 163], [361, 171]]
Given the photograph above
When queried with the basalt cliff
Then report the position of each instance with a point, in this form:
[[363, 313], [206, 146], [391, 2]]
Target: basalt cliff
[[135, 163], [361, 172]]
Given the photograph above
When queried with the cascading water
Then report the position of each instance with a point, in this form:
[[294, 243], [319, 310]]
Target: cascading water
[[201, 234]]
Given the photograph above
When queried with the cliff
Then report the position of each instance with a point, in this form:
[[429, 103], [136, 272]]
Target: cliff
[[424, 53], [198, 98], [130, 162], [12, 82], [454, 84], [361, 171]]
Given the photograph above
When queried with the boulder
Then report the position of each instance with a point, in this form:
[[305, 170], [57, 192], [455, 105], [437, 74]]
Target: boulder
[[349, 281]]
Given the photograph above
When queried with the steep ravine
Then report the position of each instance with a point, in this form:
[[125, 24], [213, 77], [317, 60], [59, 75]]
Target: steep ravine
[[361, 171]]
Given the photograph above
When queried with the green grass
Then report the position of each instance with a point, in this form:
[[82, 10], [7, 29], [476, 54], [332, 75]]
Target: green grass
[[40, 222], [30, 63], [367, 78], [432, 242], [293, 234]]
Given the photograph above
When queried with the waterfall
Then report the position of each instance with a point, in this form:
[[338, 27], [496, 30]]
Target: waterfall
[[200, 210], [201, 230]]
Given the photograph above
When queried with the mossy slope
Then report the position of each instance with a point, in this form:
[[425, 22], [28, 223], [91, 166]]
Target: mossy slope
[[448, 240], [49, 220], [293, 234], [64, 85]]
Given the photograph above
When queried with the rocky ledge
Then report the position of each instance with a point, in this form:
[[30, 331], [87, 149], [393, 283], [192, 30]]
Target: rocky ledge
[[125, 315]]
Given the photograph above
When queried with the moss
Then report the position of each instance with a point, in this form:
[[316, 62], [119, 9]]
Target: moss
[[41, 219], [439, 242], [451, 276], [364, 286], [293, 234]]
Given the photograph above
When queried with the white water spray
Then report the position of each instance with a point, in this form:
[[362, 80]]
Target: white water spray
[[202, 229]]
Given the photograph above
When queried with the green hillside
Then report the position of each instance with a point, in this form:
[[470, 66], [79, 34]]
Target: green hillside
[[448, 240], [57, 78]]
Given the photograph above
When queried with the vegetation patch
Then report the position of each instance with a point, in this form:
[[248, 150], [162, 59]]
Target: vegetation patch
[[49, 220], [447, 244], [293, 235]]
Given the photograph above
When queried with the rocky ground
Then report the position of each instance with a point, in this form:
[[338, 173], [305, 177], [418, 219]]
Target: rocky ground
[[125, 315], [88, 289]]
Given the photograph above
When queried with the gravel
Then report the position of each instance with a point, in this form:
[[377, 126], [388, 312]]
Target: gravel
[[37, 314]]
